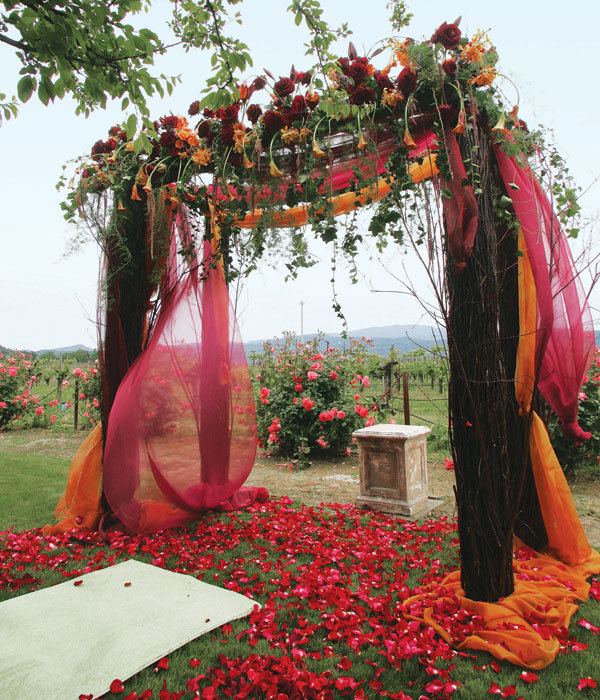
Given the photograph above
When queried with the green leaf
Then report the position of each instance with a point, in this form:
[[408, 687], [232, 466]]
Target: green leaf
[[298, 19], [25, 87], [513, 185], [447, 194], [131, 125]]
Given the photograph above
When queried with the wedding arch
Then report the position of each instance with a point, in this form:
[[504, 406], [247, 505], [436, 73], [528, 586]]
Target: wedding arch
[[426, 130]]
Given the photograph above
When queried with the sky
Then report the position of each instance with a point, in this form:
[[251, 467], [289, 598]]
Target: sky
[[548, 49]]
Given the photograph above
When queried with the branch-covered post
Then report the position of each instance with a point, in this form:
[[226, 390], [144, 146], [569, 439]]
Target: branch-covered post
[[489, 439]]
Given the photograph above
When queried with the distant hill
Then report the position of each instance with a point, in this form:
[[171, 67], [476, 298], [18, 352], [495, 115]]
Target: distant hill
[[401, 338], [57, 351]]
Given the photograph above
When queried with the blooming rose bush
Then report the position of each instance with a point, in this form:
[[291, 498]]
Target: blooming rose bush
[[586, 455], [311, 401], [26, 398]]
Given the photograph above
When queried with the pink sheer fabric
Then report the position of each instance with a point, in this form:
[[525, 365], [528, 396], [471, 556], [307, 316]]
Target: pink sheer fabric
[[182, 432], [565, 340], [460, 210]]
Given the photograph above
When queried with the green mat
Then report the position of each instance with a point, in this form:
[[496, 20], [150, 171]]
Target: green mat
[[66, 640]]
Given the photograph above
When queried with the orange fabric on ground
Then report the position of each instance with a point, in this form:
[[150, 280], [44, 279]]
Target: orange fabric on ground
[[545, 594], [343, 203], [79, 506]]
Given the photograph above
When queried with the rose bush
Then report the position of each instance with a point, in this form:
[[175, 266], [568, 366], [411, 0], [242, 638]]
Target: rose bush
[[585, 455], [311, 402]]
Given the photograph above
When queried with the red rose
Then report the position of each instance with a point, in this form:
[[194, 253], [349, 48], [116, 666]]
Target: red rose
[[98, 147], [449, 67], [253, 113], [304, 78], [344, 64], [167, 139], [114, 130], [110, 145], [169, 122], [407, 81], [284, 87], [358, 71], [194, 108], [296, 111], [272, 120], [204, 130], [448, 35], [383, 81], [208, 113], [227, 133], [228, 115], [362, 95]]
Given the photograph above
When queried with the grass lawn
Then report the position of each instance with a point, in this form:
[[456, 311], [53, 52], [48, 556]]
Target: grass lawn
[[331, 580]]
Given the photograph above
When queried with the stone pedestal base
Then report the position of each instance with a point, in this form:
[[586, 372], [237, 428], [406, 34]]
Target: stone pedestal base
[[393, 469]]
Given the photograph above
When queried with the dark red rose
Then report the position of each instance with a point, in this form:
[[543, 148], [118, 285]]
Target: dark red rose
[[98, 147], [208, 113], [362, 95], [383, 81], [448, 35], [194, 108], [259, 83], [167, 139], [304, 78], [253, 113], [110, 145], [228, 115], [227, 133], [297, 108], [522, 125], [358, 71], [312, 100], [449, 67], [284, 87], [204, 130], [169, 122], [344, 64], [272, 120], [114, 130], [123, 134], [407, 81]]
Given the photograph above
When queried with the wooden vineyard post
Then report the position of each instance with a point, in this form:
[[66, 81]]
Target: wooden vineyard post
[[405, 398], [76, 406]]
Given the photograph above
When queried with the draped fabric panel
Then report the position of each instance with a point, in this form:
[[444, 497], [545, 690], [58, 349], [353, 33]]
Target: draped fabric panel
[[565, 338], [182, 431]]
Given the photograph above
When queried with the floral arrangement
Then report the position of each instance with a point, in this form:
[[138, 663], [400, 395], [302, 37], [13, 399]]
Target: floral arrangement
[[276, 153]]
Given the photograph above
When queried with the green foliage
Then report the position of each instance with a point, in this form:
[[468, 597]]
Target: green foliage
[[84, 48]]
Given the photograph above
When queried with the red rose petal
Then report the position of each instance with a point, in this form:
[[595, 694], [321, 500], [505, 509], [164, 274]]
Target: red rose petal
[[162, 664], [117, 687], [529, 677], [194, 663], [77, 583], [586, 683], [127, 584]]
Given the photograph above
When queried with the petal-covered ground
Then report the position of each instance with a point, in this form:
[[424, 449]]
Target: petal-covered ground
[[331, 581]]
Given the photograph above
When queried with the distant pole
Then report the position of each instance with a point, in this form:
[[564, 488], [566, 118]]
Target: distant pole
[[302, 323], [405, 398], [76, 406]]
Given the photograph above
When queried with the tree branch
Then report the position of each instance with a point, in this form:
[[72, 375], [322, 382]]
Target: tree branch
[[16, 44]]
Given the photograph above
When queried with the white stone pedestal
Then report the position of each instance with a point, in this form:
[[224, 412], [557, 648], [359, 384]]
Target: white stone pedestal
[[393, 469]]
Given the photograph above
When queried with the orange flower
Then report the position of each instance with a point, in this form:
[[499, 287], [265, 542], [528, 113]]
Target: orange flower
[[318, 152], [408, 140], [501, 124], [460, 126], [243, 91], [120, 206], [304, 134], [247, 162], [485, 77], [190, 197], [129, 146], [274, 170], [289, 136], [361, 141], [201, 157], [474, 50], [391, 98], [134, 194]]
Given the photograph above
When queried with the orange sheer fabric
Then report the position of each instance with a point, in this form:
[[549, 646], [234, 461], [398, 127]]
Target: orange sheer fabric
[[343, 203], [79, 506]]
